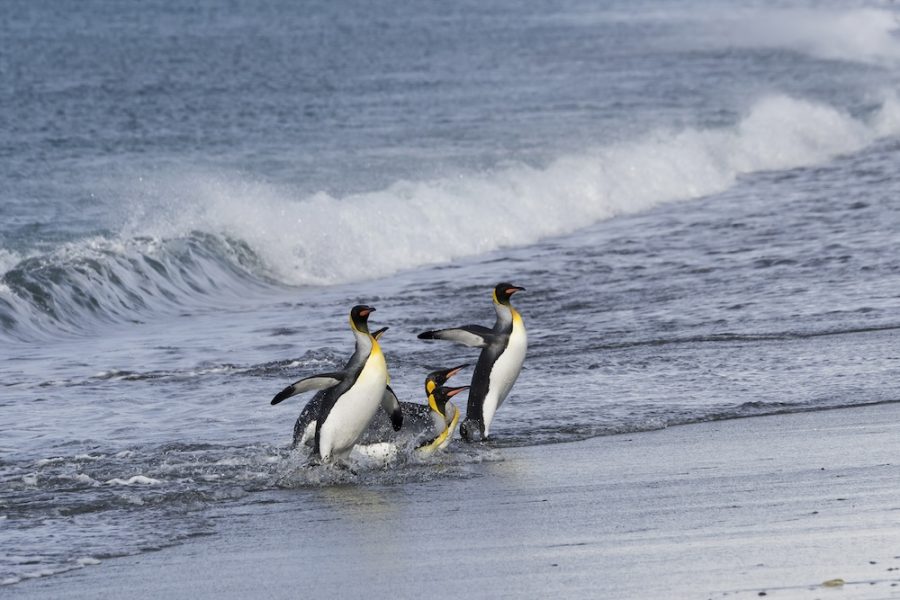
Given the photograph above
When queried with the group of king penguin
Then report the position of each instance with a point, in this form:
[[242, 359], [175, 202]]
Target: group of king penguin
[[348, 400]]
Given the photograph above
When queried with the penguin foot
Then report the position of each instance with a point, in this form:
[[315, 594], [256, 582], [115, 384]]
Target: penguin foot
[[472, 431]]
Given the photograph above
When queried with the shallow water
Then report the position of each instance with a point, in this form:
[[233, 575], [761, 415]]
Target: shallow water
[[701, 202]]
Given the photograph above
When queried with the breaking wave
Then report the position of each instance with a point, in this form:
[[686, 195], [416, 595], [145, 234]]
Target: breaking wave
[[200, 236]]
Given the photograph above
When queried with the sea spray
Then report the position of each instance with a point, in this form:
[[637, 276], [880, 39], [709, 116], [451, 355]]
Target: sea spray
[[322, 239], [199, 235], [863, 35]]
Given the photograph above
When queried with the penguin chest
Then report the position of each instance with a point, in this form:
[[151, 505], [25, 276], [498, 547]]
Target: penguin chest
[[505, 370], [353, 411], [438, 424], [451, 419]]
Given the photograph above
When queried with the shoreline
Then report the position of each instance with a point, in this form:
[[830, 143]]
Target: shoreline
[[776, 504]]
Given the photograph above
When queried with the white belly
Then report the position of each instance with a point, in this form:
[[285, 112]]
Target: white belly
[[353, 411], [309, 434], [506, 370]]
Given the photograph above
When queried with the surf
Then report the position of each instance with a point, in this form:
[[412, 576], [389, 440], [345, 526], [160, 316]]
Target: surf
[[204, 236]]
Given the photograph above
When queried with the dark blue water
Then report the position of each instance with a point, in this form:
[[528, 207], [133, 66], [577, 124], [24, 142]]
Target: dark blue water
[[701, 200]]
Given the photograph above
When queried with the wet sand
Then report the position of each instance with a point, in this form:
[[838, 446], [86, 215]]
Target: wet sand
[[773, 506]]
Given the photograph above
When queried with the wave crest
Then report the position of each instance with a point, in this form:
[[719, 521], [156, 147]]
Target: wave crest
[[200, 235], [322, 239], [112, 280]]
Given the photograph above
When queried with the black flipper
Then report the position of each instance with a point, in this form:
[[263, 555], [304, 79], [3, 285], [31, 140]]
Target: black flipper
[[315, 382], [391, 406], [474, 336]]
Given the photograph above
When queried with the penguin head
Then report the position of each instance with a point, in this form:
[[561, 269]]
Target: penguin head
[[438, 378], [438, 394], [437, 400], [359, 317], [504, 291]]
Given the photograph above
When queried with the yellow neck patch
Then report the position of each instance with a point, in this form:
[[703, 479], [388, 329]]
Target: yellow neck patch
[[433, 404], [376, 351]]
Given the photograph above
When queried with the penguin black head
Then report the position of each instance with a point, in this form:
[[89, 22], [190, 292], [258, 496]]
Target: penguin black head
[[359, 317], [438, 378], [504, 291], [437, 393], [437, 399]]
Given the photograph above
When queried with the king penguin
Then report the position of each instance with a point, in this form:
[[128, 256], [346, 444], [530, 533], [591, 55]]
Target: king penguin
[[351, 396], [444, 414], [502, 354], [305, 427]]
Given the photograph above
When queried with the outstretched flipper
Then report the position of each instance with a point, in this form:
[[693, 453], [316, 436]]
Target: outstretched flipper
[[391, 406], [307, 384], [474, 336]]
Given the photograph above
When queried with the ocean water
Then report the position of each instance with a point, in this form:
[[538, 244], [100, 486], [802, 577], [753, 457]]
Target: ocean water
[[701, 198]]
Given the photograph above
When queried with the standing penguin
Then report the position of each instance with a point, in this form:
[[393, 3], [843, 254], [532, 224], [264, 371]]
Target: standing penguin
[[305, 427], [351, 396], [502, 354]]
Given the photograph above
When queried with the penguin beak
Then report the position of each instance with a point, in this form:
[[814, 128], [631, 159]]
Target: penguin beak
[[378, 333], [439, 377], [450, 392], [453, 371], [512, 290]]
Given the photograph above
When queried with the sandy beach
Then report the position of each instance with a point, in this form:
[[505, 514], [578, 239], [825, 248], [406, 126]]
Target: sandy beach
[[775, 505]]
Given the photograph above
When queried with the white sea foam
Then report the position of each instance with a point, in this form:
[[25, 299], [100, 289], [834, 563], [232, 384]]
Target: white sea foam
[[42, 573], [88, 457], [135, 480], [867, 35], [87, 479], [323, 239], [378, 454], [887, 122], [8, 259]]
